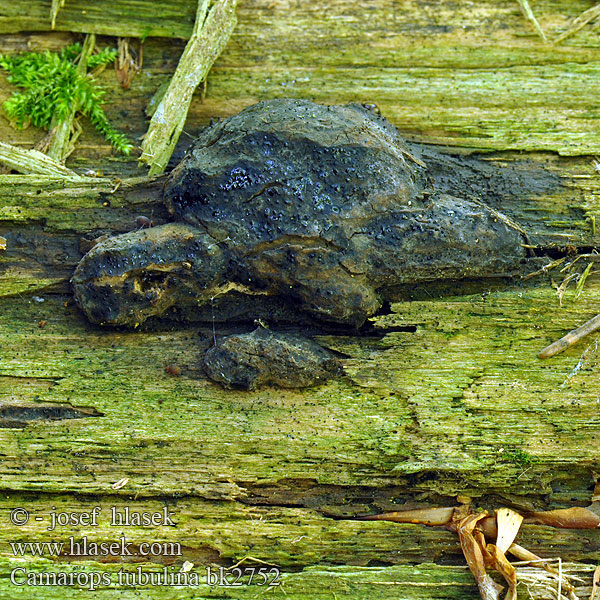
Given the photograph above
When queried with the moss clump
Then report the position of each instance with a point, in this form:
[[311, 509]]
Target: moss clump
[[53, 87], [519, 457]]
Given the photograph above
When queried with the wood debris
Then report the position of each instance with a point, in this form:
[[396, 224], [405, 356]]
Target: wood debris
[[595, 581], [117, 485], [32, 162], [474, 531], [212, 30]]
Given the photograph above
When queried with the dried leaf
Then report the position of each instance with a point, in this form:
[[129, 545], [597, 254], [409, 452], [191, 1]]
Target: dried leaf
[[433, 517], [595, 581], [2, 243], [489, 527], [474, 555], [509, 523], [503, 566], [524, 554], [576, 517]]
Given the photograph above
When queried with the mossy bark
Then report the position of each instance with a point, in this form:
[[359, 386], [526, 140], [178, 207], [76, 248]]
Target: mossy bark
[[444, 396]]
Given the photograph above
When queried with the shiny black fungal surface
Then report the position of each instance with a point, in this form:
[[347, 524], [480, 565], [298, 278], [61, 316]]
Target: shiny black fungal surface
[[319, 208]]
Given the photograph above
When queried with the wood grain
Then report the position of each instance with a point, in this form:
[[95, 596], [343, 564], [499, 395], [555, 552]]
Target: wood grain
[[444, 396]]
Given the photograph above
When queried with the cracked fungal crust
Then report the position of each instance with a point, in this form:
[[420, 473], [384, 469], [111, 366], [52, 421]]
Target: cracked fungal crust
[[264, 357], [321, 206]]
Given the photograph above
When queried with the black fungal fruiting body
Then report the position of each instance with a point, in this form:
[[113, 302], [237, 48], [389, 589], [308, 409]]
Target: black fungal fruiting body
[[264, 357], [317, 209], [321, 206]]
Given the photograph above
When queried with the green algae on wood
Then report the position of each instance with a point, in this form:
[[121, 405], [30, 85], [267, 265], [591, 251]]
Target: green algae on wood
[[483, 79], [461, 405], [434, 406], [221, 533], [125, 18], [317, 583]]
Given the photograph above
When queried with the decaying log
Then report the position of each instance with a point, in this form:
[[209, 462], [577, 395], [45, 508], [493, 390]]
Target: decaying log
[[443, 394]]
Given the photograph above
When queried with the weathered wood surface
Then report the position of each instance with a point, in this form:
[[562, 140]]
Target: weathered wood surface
[[443, 397]]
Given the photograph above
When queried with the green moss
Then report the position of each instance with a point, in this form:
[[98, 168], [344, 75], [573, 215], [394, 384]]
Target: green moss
[[53, 87], [519, 457]]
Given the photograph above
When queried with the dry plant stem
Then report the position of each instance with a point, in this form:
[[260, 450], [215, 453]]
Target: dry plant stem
[[576, 517], [571, 338], [32, 161], [581, 21], [545, 268], [126, 68], [582, 280], [534, 560], [211, 34], [562, 288], [61, 145], [56, 6], [526, 10]]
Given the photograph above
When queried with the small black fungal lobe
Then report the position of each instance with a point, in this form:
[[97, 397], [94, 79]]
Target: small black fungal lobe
[[264, 357]]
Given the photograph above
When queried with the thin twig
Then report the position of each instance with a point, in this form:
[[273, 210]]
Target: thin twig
[[545, 268], [526, 10], [571, 338], [211, 33], [579, 23]]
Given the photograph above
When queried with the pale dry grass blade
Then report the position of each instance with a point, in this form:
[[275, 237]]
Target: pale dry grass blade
[[579, 23], [56, 6], [526, 10]]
